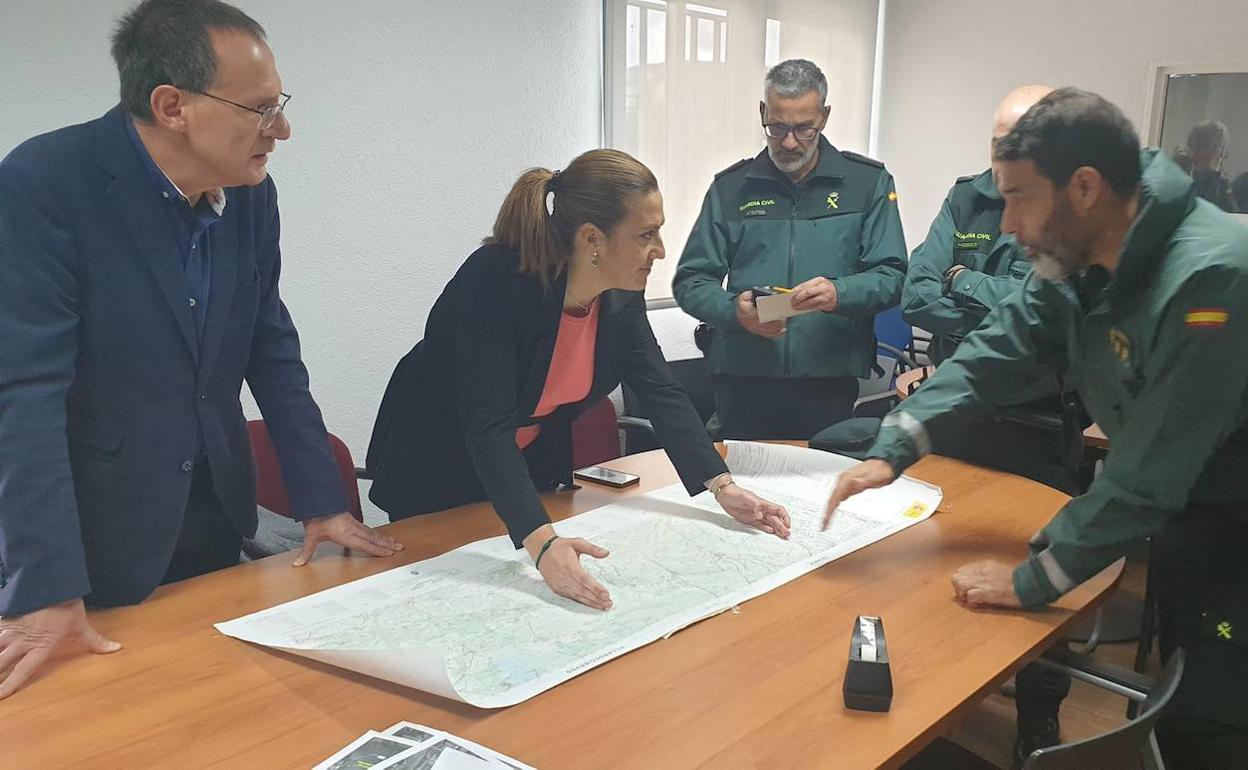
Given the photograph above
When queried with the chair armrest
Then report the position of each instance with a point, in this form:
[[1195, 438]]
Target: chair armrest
[[901, 356], [638, 424], [1123, 681]]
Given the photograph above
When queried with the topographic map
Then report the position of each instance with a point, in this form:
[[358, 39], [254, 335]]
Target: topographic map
[[478, 625]]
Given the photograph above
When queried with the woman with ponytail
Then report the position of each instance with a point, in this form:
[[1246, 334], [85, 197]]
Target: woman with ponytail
[[542, 321]]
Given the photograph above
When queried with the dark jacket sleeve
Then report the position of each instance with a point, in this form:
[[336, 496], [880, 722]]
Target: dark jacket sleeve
[[923, 300], [680, 429], [279, 381], [487, 370], [1017, 355], [698, 284], [41, 553]]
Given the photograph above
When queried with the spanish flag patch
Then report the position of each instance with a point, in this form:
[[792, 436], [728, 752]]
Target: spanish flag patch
[[1207, 317]]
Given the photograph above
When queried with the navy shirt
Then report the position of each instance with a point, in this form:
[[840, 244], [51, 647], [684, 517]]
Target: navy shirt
[[191, 227]]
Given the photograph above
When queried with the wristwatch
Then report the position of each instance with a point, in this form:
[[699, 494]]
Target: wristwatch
[[946, 282]]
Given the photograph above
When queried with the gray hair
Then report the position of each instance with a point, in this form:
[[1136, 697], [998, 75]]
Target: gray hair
[[795, 77], [167, 42], [1207, 136]]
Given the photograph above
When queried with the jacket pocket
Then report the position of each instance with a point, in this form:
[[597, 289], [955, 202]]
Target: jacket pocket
[[829, 245]]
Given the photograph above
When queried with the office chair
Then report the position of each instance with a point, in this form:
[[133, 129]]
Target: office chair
[[271, 489], [1130, 746]]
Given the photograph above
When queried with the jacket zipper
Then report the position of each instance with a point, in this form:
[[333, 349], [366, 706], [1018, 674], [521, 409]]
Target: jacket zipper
[[797, 199]]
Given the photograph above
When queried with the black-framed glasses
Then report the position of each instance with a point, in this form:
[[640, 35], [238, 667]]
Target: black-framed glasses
[[268, 115], [781, 130]]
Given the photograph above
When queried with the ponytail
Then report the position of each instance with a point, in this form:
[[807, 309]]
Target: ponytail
[[598, 187]]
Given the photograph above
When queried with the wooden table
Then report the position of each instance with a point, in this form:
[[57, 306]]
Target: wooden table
[[760, 688]]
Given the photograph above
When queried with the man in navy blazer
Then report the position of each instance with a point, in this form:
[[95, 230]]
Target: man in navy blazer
[[139, 268]]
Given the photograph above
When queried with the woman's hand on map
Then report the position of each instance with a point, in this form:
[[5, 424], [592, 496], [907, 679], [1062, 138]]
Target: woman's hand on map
[[869, 474], [561, 566], [752, 510]]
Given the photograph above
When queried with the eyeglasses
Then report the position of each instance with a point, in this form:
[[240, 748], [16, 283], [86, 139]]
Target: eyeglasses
[[801, 133], [268, 115]]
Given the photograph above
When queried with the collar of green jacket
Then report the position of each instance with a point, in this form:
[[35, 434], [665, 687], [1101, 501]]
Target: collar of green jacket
[[986, 186], [830, 165], [1166, 197]]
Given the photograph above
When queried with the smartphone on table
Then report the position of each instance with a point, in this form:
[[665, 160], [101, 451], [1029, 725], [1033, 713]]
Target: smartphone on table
[[608, 476]]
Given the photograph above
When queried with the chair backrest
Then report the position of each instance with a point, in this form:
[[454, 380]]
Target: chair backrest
[[271, 489], [595, 435], [694, 376], [892, 329], [1123, 746]]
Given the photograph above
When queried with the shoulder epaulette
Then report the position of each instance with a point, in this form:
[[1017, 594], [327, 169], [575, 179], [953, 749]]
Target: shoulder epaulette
[[863, 159], [734, 166], [967, 178]]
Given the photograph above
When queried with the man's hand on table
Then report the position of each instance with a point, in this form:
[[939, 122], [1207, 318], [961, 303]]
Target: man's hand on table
[[986, 584], [27, 641], [344, 530]]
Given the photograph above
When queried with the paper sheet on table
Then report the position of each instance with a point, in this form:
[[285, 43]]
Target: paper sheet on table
[[776, 307], [478, 624]]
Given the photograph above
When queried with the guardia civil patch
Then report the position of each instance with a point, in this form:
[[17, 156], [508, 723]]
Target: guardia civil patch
[[1207, 317], [1120, 343]]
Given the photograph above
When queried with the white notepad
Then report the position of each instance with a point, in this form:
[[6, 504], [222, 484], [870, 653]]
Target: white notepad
[[776, 307]]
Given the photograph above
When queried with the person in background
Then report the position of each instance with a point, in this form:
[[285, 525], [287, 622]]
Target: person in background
[[1203, 156], [801, 215]]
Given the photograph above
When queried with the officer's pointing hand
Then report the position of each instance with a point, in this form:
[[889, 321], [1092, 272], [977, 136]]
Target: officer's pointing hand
[[868, 474]]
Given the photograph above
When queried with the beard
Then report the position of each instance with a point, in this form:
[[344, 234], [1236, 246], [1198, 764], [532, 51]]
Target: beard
[[1059, 253], [789, 166], [1052, 268]]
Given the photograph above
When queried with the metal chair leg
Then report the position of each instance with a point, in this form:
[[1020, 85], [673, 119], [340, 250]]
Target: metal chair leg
[[1148, 625]]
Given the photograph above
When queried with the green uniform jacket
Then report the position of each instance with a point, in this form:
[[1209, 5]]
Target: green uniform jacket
[[967, 232], [757, 228], [1159, 355]]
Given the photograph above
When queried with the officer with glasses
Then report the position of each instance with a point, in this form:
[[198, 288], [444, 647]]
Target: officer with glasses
[[806, 217]]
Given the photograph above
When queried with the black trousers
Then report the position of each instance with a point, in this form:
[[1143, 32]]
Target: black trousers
[[1200, 576], [207, 541], [759, 408]]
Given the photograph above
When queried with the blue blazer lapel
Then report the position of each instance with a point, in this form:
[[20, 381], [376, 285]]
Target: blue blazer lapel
[[224, 235], [138, 206]]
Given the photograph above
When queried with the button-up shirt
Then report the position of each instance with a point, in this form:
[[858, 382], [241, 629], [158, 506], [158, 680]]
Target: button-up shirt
[[191, 225]]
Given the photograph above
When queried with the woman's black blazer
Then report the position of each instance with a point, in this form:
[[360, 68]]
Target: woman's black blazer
[[446, 431]]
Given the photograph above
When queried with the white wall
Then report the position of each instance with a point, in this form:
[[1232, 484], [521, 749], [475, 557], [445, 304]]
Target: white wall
[[948, 62], [410, 120]]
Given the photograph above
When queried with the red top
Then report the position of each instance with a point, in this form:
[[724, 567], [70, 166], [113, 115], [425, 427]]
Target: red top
[[571, 370]]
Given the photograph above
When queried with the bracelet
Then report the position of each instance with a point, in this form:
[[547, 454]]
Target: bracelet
[[537, 563], [720, 488]]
